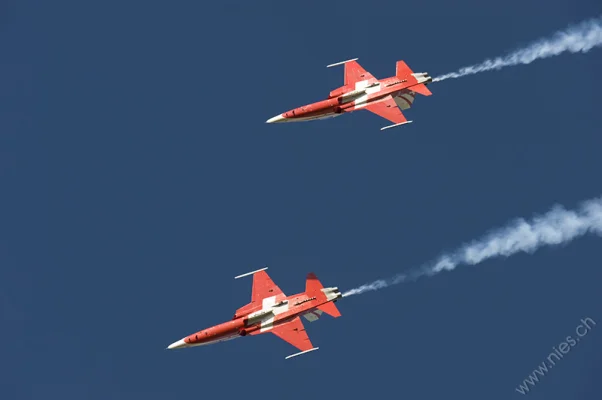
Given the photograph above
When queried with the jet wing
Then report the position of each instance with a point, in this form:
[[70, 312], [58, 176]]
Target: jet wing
[[263, 287], [355, 73], [294, 333], [387, 108]]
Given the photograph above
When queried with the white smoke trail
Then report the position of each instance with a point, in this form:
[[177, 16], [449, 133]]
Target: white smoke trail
[[578, 38], [558, 226]]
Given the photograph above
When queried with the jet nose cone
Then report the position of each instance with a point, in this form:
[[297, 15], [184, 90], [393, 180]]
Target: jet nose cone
[[176, 345], [277, 118]]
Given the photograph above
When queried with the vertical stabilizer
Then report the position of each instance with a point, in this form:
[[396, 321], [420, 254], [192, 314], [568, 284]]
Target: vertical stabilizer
[[312, 283], [402, 70]]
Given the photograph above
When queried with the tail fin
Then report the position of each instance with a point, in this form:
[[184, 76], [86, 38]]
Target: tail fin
[[313, 285], [403, 71]]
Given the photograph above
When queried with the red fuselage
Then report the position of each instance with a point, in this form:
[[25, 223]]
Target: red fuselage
[[349, 98], [258, 317]]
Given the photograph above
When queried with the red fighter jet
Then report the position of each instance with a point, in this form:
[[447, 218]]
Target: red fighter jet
[[270, 310], [362, 91]]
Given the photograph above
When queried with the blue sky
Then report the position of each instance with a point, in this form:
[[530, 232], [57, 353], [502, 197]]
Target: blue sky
[[148, 179]]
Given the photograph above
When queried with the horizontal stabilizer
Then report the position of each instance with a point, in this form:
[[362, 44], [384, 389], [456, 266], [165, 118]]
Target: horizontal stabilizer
[[330, 309], [422, 89]]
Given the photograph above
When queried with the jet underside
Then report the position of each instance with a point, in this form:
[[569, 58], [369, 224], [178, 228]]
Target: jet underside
[[386, 97], [270, 310]]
